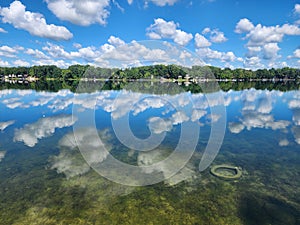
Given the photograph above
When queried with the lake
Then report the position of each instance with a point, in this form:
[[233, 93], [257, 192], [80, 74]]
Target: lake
[[142, 153]]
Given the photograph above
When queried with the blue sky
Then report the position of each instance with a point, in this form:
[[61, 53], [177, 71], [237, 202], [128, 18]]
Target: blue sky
[[231, 33]]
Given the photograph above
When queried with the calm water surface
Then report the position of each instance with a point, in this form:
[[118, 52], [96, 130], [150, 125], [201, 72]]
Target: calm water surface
[[44, 178]]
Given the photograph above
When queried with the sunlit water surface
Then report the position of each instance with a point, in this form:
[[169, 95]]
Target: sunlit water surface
[[45, 180]]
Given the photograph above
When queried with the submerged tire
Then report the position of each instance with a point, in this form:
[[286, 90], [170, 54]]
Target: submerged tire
[[215, 170]]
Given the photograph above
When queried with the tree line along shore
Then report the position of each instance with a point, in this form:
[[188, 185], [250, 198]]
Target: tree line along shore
[[167, 72]]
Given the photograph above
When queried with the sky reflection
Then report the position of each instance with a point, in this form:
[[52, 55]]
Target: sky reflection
[[35, 116]]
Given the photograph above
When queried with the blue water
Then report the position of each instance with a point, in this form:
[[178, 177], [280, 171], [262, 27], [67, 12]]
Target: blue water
[[261, 136]]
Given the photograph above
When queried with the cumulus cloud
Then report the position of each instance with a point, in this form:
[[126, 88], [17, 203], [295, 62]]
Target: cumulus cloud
[[115, 41], [70, 160], [9, 52], [114, 53], [4, 125], [134, 53], [270, 51], [201, 41], [163, 29], [179, 117], [294, 103], [264, 104], [36, 54], [44, 127], [4, 63], [58, 63], [253, 62], [2, 155], [236, 127], [253, 119], [216, 36], [283, 142], [197, 114], [260, 35], [154, 103], [57, 51], [20, 62], [34, 23], [159, 125], [296, 116], [243, 26], [13, 103], [166, 168], [161, 2], [297, 53], [296, 133], [263, 41], [2, 30], [253, 51], [297, 8], [213, 118], [82, 13], [257, 107], [208, 54]]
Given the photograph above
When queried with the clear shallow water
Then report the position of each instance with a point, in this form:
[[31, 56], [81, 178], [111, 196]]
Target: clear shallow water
[[44, 178]]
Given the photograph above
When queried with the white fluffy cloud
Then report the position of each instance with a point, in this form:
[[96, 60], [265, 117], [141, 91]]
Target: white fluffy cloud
[[58, 63], [253, 62], [9, 52], [2, 155], [20, 62], [297, 8], [283, 142], [44, 127], [4, 63], [162, 2], [260, 35], [82, 13], [4, 125], [57, 51], [236, 127], [115, 41], [158, 125], [253, 51], [270, 51], [163, 29], [157, 156], [179, 117], [294, 104], [197, 114], [263, 41], [208, 54], [297, 53], [201, 41], [70, 161], [148, 103], [296, 133], [216, 36], [36, 54], [34, 23], [2, 30], [243, 26], [257, 112]]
